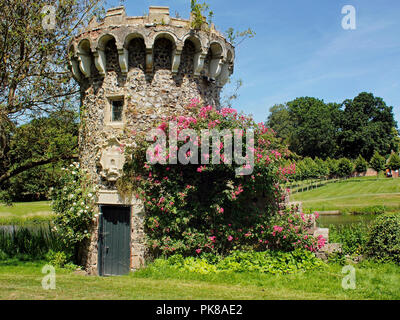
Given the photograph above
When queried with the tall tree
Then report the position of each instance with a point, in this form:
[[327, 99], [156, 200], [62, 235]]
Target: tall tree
[[42, 141], [366, 125], [34, 78], [280, 121], [53, 142], [314, 129]]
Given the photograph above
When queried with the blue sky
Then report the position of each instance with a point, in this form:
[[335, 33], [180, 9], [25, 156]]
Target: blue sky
[[301, 49]]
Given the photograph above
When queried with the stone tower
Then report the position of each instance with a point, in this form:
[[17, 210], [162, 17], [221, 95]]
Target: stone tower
[[133, 71]]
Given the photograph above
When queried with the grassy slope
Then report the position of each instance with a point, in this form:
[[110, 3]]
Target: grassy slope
[[23, 281], [352, 194], [24, 210]]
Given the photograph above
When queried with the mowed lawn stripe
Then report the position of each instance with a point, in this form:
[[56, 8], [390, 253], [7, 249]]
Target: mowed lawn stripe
[[26, 209], [351, 194]]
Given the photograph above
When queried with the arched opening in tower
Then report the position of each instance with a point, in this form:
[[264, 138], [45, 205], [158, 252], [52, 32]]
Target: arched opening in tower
[[112, 60], [187, 64], [137, 54], [162, 54]]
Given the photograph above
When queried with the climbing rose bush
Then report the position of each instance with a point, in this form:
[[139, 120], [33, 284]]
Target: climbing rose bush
[[207, 208], [74, 205], [290, 229]]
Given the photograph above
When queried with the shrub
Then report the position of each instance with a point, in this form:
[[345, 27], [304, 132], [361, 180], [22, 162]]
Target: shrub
[[360, 165], [384, 238], [377, 162], [322, 168], [192, 208], [344, 167], [394, 161], [74, 206], [3, 255], [57, 258], [371, 210], [60, 259], [333, 167]]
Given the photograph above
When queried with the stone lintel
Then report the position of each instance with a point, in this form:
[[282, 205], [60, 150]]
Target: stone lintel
[[111, 197]]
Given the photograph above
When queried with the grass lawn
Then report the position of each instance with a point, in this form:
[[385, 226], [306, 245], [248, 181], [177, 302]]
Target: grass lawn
[[23, 281], [352, 194], [26, 209], [22, 211]]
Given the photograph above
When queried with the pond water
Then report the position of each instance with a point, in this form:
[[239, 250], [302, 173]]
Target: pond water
[[325, 221]]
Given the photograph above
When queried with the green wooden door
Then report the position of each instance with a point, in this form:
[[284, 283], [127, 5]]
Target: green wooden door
[[114, 240]]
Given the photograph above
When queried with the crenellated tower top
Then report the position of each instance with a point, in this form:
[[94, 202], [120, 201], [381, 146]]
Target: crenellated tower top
[[213, 55]]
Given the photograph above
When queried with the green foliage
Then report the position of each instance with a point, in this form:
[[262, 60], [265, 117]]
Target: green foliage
[[34, 80], [280, 121], [74, 206], [273, 262], [60, 259], [376, 209], [356, 127], [332, 166], [199, 11], [366, 125], [377, 162], [290, 229], [322, 168], [37, 151], [394, 161], [33, 184], [345, 168], [57, 258], [3, 255], [353, 237], [237, 37], [337, 258], [308, 168], [360, 165], [28, 243], [384, 240], [310, 126]]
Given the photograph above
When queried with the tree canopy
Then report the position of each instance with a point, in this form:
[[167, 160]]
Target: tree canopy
[[34, 78], [358, 126], [44, 141], [366, 125]]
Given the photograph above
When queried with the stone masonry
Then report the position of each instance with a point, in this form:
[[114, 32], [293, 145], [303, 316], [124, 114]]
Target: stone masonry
[[133, 71]]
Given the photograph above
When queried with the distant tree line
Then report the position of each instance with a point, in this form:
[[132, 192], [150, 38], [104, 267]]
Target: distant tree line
[[318, 168], [359, 126]]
